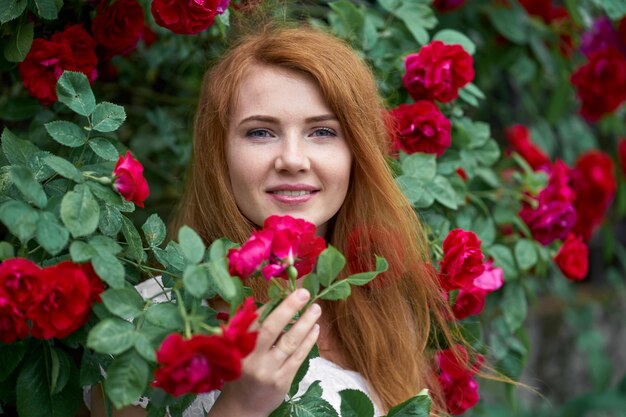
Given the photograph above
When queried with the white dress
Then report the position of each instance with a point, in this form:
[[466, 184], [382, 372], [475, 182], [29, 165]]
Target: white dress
[[332, 377]]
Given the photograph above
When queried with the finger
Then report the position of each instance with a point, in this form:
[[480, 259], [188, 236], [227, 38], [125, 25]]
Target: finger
[[293, 362], [272, 327], [289, 342]]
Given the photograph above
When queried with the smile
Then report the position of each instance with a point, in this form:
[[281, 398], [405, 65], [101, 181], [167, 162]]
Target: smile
[[292, 193]]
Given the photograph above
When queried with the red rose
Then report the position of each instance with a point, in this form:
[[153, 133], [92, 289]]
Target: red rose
[[248, 259], [13, 324], [462, 260], [129, 180], [200, 364], [601, 83], [437, 72], [544, 9], [573, 258], [456, 379], [593, 180], [447, 5], [520, 141], [421, 127], [621, 30], [96, 286], [237, 334], [471, 300], [621, 154], [63, 304], [183, 16], [83, 49], [558, 187], [19, 281], [43, 66], [118, 26]]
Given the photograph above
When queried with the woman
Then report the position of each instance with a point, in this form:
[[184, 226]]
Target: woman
[[290, 122]]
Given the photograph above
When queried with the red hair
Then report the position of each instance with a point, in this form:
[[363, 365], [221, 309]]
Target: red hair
[[383, 331]]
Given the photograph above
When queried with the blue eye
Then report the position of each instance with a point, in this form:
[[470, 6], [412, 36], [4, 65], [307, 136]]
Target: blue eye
[[259, 133], [324, 131]]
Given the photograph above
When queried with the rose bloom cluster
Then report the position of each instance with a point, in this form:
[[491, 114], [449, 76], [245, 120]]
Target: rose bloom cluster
[[202, 363], [129, 180], [55, 300], [463, 269], [436, 73], [601, 83], [282, 243], [456, 376]]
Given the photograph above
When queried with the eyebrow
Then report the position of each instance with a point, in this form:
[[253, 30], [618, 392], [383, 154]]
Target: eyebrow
[[270, 119]]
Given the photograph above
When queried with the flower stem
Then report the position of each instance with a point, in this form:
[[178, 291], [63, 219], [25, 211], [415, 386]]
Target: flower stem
[[183, 313]]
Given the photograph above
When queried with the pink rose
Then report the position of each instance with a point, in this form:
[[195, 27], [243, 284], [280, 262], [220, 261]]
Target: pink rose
[[129, 180], [186, 17], [248, 259], [421, 127], [437, 72], [462, 260], [573, 258]]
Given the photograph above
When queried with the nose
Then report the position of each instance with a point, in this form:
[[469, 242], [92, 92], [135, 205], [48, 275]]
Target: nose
[[292, 156]]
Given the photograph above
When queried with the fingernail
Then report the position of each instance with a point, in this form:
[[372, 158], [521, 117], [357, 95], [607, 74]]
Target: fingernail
[[302, 294], [315, 309]]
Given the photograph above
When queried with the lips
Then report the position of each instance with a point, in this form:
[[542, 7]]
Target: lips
[[292, 193]]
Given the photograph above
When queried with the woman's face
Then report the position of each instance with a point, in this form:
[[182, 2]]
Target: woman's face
[[286, 151]]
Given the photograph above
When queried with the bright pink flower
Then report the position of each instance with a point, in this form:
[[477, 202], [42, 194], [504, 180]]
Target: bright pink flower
[[437, 72], [520, 141], [456, 379], [13, 324], [248, 259], [421, 127], [20, 281], [129, 180], [462, 260], [471, 300], [236, 333], [196, 365], [573, 258]]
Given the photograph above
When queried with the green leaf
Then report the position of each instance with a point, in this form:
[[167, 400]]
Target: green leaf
[[74, 91], [510, 23], [112, 336], [329, 265], [312, 405], [18, 45], [339, 290], [11, 9], [443, 192], [418, 406], [615, 9], [516, 306], [363, 278], [80, 212], [81, 251], [489, 153], [51, 235], [6, 252], [11, 356], [110, 221], [302, 371], [107, 117], [66, 133], [525, 254], [453, 37], [503, 258], [422, 166], [135, 247], [104, 148], [109, 268], [485, 230], [24, 180], [311, 282], [125, 303], [20, 219], [196, 280], [46, 9], [223, 281], [64, 168], [355, 403], [415, 191], [154, 230], [417, 19], [104, 244], [17, 151], [165, 315], [60, 370], [191, 244], [145, 348], [127, 378]]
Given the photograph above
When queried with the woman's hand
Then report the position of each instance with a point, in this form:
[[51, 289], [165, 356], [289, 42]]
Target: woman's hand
[[269, 370]]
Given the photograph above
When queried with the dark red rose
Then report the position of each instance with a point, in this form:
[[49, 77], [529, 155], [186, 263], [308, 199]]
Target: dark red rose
[[447, 5], [149, 36], [573, 258], [63, 304], [13, 324], [602, 35], [20, 281], [549, 221], [437, 72], [118, 26], [83, 48], [601, 83], [129, 180], [185, 17], [621, 154], [236, 333], [593, 180], [421, 127], [544, 9], [462, 260], [456, 376], [196, 365], [558, 187], [43, 66], [621, 31], [96, 286], [520, 141]]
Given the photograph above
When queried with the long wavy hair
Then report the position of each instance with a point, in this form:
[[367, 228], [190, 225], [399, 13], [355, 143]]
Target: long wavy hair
[[382, 330]]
